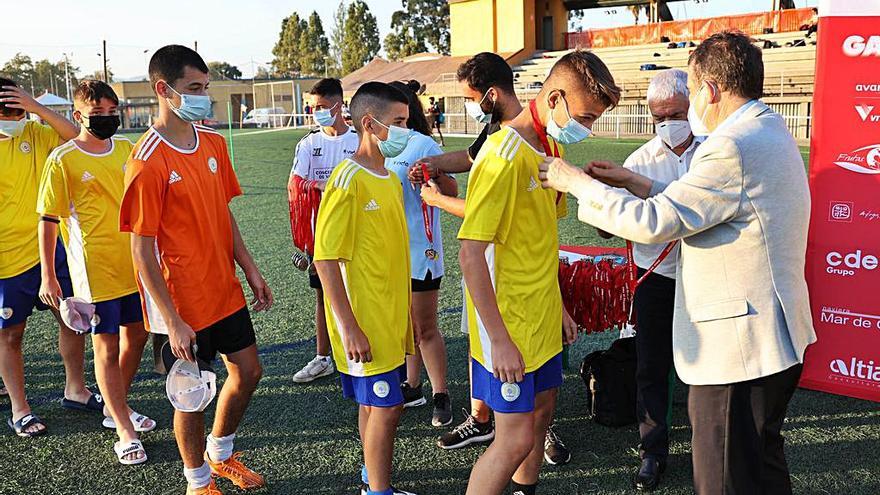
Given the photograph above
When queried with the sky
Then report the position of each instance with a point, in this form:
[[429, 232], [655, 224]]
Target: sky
[[241, 32]]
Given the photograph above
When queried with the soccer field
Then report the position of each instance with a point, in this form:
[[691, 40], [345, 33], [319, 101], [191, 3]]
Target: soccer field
[[303, 438]]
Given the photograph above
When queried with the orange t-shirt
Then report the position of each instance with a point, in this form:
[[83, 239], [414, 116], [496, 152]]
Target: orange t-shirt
[[181, 198]]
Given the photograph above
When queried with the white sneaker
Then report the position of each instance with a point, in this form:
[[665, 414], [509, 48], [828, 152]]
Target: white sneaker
[[316, 368]]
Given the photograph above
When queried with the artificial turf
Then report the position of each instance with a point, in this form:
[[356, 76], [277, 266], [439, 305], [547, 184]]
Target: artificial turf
[[303, 438]]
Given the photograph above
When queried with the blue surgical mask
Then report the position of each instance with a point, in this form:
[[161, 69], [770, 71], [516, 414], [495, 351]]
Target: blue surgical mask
[[398, 137], [325, 117], [572, 132], [12, 128], [698, 125], [192, 107], [475, 110]]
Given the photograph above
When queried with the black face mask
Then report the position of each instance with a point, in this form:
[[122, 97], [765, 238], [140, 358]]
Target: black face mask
[[101, 126]]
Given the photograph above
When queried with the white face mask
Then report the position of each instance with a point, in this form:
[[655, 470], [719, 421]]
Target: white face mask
[[674, 132], [698, 125], [12, 128]]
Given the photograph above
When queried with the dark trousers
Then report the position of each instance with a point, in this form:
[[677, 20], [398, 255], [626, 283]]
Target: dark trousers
[[737, 435], [653, 305]]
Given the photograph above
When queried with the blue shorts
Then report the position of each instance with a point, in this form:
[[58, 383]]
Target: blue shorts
[[19, 295], [381, 390], [515, 397], [109, 315]]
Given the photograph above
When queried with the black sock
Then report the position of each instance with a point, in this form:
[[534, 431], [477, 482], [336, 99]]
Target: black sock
[[517, 489]]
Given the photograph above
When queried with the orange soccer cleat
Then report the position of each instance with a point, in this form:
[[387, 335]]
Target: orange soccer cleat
[[211, 489], [233, 470]]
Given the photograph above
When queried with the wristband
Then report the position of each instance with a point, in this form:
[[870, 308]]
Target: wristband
[[49, 219]]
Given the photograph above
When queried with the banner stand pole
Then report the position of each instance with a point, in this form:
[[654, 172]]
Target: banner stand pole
[[231, 143]]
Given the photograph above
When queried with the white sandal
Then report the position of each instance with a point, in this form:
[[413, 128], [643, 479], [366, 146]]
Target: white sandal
[[137, 420], [123, 449]]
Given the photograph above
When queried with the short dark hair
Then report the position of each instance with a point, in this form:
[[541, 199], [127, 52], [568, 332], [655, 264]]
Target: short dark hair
[[417, 120], [327, 87], [371, 98], [92, 91], [588, 69], [4, 111], [484, 70], [730, 59], [169, 62]]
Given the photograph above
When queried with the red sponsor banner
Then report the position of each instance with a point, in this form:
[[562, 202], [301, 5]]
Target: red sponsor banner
[[843, 253]]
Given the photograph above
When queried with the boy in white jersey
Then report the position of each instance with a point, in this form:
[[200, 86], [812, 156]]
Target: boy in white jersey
[[517, 323], [362, 257], [82, 184], [317, 154]]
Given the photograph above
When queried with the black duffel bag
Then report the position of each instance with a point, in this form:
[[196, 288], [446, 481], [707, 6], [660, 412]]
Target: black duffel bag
[[610, 377]]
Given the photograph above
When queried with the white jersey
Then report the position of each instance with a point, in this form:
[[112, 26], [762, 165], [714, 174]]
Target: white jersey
[[317, 154], [656, 161]]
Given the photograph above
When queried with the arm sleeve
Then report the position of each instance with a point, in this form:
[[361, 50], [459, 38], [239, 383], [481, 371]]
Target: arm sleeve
[[561, 199], [230, 180], [45, 138], [708, 195], [301, 159], [488, 210], [337, 223], [143, 199], [53, 197]]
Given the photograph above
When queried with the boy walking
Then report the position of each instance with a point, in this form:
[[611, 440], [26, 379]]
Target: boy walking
[[82, 184], [185, 243], [362, 257]]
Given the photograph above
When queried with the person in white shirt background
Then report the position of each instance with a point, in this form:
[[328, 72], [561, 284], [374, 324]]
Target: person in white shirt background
[[317, 154], [666, 158]]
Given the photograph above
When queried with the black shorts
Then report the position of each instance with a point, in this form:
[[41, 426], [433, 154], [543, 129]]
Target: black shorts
[[426, 285], [229, 335], [315, 281]]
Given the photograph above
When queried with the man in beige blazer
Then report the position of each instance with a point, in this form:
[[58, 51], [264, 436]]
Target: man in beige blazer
[[742, 319]]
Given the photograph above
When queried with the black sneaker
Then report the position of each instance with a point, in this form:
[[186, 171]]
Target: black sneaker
[[555, 452], [412, 396], [442, 410], [471, 431]]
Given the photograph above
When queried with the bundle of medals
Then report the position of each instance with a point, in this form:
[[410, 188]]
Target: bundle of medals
[[596, 292], [303, 215]]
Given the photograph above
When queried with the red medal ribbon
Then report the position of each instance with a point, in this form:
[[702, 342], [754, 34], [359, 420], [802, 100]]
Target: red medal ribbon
[[541, 131], [428, 211]]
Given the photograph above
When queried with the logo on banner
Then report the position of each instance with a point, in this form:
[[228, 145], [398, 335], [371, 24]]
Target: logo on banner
[[858, 46], [856, 369], [867, 88], [865, 112], [865, 160], [840, 211], [846, 265]]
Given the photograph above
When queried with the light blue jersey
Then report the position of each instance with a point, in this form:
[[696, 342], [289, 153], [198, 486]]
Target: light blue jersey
[[424, 255]]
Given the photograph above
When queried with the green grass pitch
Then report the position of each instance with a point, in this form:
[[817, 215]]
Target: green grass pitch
[[303, 438]]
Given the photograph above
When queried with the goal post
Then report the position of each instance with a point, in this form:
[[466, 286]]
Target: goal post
[[279, 104]]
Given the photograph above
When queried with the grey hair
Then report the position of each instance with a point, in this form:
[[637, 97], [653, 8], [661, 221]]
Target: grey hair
[[668, 84]]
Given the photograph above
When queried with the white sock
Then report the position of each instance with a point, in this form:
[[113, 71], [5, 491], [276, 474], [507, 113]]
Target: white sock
[[220, 448], [199, 477], [322, 358]]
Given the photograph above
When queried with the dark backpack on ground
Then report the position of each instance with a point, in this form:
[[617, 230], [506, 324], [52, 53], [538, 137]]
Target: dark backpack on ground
[[610, 377]]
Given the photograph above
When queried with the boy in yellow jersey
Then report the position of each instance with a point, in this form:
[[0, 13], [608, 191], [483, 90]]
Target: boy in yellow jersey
[[24, 147], [82, 184], [362, 257], [509, 259]]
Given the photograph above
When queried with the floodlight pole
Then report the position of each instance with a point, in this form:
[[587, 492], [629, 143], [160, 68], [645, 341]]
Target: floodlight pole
[[104, 56], [231, 144], [67, 77]]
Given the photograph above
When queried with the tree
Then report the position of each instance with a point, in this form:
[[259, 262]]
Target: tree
[[361, 39], [421, 23], [262, 73], [314, 47], [223, 70], [40, 76], [20, 69], [337, 39], [287, 50]]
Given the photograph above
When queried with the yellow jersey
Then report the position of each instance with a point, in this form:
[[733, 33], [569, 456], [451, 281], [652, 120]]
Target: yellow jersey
[[85, 190], [361, 225], [21, 165], [507, 207]]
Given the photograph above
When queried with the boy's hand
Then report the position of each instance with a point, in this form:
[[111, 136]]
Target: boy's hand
[[569, 328], [181, 337], [508, 365], [14, 97], [50, 292], [431, 193], [263, 298], [357, 346]]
